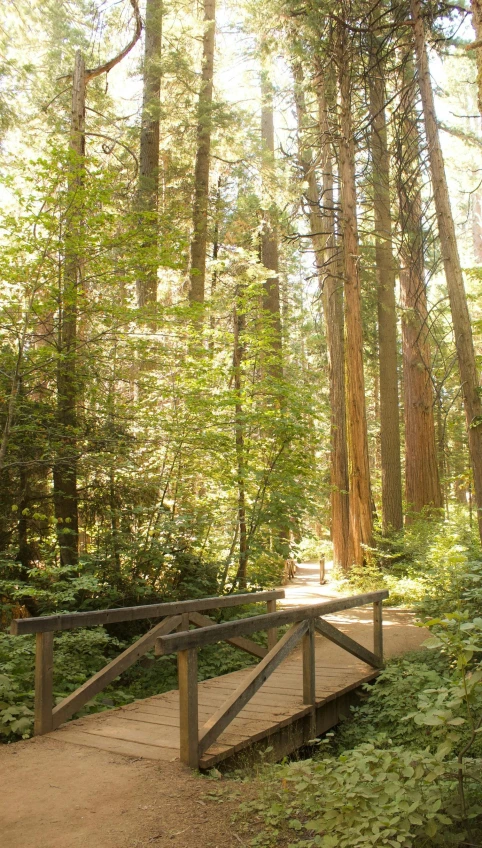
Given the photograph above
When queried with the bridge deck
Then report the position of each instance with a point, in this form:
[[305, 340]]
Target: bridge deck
[[150, 728]]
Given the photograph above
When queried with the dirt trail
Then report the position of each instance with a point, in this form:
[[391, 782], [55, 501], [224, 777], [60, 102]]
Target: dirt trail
[[58, 795]]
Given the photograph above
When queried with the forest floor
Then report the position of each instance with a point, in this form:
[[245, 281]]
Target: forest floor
[[59, 795]]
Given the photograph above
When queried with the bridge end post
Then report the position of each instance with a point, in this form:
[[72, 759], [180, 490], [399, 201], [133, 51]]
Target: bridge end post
[[309, 695], [188, 707], [378, 631], [272, 631], [309, 676], [44, 668]]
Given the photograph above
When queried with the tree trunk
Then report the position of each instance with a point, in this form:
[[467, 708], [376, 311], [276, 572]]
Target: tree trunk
[[203, 151], [453, 271], [323, 238], [361, 521], [238, 352], [148, 190], [392, 511], [269, 255], [422, 484], [66, 458], [65, 467], [476, 8], [269, 233]]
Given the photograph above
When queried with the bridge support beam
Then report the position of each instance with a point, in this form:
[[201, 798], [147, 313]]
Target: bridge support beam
[[188, 707], [378, 631], [44, 668]]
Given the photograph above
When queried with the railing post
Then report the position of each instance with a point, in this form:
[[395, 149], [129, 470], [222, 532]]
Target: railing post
[[44, 667], [309, 695], [272, 632], [188, 707], [378, 630], [309, 677]]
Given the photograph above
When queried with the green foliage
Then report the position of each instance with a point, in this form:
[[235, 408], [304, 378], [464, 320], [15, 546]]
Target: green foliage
[[453, 712], [78, 654], [267, 570], [386, 703], [433, 567], [368, 796]]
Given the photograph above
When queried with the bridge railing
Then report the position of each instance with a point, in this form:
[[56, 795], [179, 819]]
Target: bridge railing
[[305, 622], [177, 615]]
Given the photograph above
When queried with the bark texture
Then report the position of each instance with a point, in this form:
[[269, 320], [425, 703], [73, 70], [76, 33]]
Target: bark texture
[[453, 271], [321, 220], [148, 191], [392, 511], [68, 390], [476, 9], [65, 467], [238, 353], [203, 154], [361, 519], [422, 483], [269, 232]]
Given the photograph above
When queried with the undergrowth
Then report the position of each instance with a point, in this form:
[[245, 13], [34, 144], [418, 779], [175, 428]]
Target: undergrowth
[[404, 770]]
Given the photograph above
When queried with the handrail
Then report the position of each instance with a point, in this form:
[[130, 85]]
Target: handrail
[[194, 742], [241, 627], [177, 614], [69, 621]]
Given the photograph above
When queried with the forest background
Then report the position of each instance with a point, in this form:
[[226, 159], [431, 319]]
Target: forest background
[[241, 253]]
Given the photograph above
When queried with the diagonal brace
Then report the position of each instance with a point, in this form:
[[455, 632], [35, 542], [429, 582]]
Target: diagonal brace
[[255, 679], [348, 644], [238, 641]]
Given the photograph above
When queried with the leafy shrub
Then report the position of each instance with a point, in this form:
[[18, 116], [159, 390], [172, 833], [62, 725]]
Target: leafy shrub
[[311, 548], [368, 796], [78, 654], [387, 701], [266, 570]]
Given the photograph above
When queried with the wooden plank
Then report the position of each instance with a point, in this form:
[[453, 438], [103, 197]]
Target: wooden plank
[[68, 621], [150, 718], [117, 746], [239, 641], [245, 626], [378, 631], [272, 631], [249, 686], [188, 707], [327, 715], [309, 665], [347, 643], [132, 733], [266, 700], [44, 667], [73, 702]]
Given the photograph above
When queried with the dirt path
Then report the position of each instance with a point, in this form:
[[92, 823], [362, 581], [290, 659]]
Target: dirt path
[[58, 795]]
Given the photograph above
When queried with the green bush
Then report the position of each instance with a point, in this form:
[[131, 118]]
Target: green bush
[[387, 701], [78, 654], [368, 796], [267, 570]]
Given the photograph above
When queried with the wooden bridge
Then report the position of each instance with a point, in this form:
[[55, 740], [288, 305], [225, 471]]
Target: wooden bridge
[[297, 691]]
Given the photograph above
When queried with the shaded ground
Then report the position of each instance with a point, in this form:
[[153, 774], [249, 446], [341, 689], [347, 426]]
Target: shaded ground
[[61, 795], [57, 795]]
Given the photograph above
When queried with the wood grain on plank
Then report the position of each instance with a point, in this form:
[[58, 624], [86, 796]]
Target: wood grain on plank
[[44, 665], [245, 626], [347, 643], [69, 621], [238, 641], [248, 687], [73, 702]]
